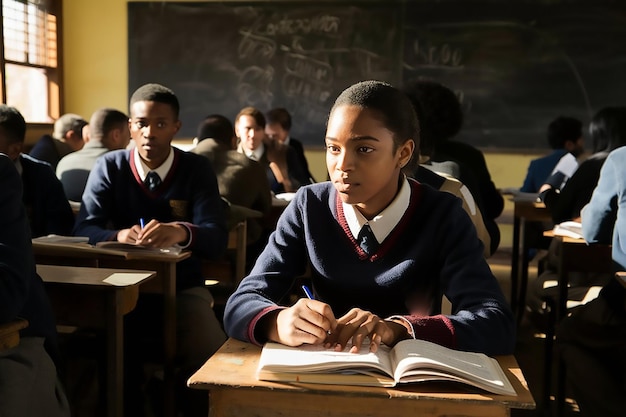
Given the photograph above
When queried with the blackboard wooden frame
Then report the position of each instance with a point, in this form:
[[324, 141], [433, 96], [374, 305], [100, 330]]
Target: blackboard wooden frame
[[515, 65]]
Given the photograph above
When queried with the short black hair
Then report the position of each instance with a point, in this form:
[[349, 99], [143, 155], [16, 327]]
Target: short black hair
[[607, 129], [216, 127], [104, 120], [438, 110], [279, 115], [564, 129], [13, 123], [158, 93], [391, 104]]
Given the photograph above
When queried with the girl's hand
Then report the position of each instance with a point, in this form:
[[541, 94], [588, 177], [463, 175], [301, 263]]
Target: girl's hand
[[359, 324], [307, 321]]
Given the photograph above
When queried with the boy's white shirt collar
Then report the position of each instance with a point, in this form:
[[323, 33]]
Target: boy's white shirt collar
[[386, 220], [162, 170], [258, 152]]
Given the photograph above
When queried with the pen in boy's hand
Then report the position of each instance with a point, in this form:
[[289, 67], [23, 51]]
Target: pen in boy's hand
[[308, 292], [142, 223], [310, 296]]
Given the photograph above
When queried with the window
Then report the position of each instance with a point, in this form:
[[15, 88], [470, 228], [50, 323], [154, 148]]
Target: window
[[30, 60]]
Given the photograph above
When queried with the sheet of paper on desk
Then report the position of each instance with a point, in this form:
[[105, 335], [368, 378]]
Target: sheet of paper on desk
[[570, 229], [122, 279]]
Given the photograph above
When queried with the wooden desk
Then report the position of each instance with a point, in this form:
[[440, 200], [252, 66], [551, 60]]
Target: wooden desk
[[229, 375], [80, 297], [524, 211], [165, 283], [575, 256], [10, 333]]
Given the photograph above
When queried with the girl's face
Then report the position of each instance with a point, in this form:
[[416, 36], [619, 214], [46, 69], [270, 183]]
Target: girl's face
[[360, 158]]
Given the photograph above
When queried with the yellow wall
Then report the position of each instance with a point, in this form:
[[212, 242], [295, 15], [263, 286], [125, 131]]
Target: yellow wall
[[95, 75]]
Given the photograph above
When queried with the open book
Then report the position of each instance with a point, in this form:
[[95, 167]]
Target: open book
[[570, 229], [408, 361]]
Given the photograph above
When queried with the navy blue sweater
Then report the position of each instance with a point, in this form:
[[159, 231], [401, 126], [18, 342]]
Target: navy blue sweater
[[115, 198], [432, 251]]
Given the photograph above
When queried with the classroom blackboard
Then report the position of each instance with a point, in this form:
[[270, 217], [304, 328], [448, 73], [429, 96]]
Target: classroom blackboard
[[515, 65]]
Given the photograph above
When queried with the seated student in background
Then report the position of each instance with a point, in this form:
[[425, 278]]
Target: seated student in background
[[441, 118], [66, 138], [592, 340], [565, 136], [29, 385], [107, 131], [383, 249], [278, 127], [607, 131], [47, 207], [176, 194], [280, 162], [241, 180], [425, 171]]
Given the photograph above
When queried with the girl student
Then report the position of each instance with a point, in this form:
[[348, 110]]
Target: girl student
[[424, 247]]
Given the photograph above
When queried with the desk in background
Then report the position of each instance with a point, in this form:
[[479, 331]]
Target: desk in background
[[526, 210], [165, 284], [575, 255], [229, 376], [81, 297]]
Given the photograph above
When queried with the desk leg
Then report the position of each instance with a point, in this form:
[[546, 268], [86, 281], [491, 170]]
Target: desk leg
[[523, 282], [515, 264], [115, 354], [168, 272]]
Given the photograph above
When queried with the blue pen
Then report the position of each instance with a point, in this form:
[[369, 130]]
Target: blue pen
[[310, 296], [308, 292], [142, 223]]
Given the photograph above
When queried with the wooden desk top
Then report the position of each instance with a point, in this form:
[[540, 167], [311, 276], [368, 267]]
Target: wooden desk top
[[235, 363], [83, 250], [94, 277], [10, 333]]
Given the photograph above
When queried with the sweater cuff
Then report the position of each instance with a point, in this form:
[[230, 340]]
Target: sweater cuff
[[437, 329], [190, 228], [407, 321], [252, 336]]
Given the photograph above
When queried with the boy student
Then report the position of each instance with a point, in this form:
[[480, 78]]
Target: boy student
[[383, 249], [47, 208], [28, 377], [278, 127], [176, 194], [108, 131], [565, 135], [241, 180], [66, 138], [284, 173]]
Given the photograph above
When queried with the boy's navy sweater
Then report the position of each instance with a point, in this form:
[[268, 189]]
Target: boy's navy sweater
[[115, 198], [433, 251]]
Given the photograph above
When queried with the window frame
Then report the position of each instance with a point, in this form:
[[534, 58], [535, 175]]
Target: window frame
[[54, 75]]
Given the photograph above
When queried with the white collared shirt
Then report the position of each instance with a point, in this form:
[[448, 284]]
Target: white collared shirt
[[256, 154], [162, 170], [386, 220]]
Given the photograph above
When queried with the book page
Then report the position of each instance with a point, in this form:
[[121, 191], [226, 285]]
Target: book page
[[315, 358], [418, 360], [570, 229]]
